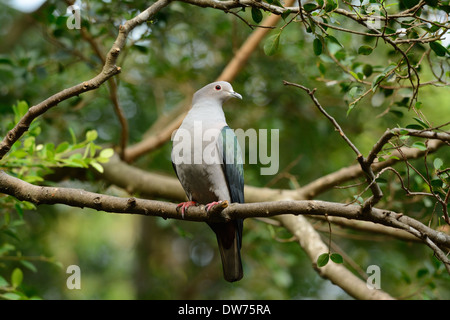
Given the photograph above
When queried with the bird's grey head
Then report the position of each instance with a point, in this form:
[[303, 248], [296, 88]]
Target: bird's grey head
[[219, 91]]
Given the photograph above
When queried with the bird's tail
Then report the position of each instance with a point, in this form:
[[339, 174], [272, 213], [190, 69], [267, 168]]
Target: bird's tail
[[229, 237]]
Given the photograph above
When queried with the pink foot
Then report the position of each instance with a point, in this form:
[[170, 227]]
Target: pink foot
[[185, 205], [212, 204]]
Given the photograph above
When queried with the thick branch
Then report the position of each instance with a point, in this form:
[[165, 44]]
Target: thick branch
[[84, 199]]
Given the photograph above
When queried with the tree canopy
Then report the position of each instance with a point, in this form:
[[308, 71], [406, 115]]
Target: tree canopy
[[355, 95]]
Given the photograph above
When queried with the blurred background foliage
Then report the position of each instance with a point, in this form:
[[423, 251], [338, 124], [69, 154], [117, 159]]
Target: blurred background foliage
[[165, 61]]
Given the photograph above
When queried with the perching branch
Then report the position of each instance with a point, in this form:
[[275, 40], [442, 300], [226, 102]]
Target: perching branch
[[83, 199]]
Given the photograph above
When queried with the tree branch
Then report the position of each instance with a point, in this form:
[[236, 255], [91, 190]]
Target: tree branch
[[83, 199], [113, 92]]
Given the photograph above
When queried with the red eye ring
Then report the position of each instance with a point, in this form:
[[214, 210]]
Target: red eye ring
[[218, 87]]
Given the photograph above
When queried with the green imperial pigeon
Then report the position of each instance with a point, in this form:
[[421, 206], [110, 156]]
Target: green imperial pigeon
[[208, 162]]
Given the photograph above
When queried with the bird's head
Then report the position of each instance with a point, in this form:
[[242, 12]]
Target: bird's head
[[220, 91]]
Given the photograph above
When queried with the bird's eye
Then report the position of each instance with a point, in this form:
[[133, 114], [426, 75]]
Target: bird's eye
[[218, 87]]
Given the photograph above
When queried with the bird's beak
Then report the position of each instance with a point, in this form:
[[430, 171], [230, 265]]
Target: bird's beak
[[235, 95]]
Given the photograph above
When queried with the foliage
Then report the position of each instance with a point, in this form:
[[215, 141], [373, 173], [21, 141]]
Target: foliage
[[31, 162]]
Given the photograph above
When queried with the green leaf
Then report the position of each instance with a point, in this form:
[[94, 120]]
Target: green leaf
[[409, 3], [75, 160], [16, 277], [419, 145], [334, 40], [277, 3], [322, 68], [389, 68], [72, 134], [422, 123], [323, 259], [92, 149], [3, 282], [29, 144], [106, 153], [367, 70], [12, 296], [91, 135], [382, 75], [437, 183], [432, 3], [356, 91], [97, 166], [421, 272], [310, 7], [336, 258], [414, 126], [28, 265], [6, 61], [330, 5], [439, 49], [377, 81], [140, 48], [286, 14], [418, 105], [365, 50], [62, 147], [445, 7], [19, 110], [359, 199], [49, 151], [257, 15], [438, 163], [317, 46], [19, 210], [354, 75], [397, 113], [271, 44]]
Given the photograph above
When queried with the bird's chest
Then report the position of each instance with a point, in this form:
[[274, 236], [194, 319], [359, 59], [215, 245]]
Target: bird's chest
[[203, 183]]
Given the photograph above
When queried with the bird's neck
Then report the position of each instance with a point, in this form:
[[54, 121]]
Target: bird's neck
[[207, 110]]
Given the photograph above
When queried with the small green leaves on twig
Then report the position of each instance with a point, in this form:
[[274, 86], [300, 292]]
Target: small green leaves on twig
[[323, 259], [257, 15], [272, 43]]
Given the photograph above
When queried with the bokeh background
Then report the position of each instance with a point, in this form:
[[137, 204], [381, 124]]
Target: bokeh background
[[167, 59]]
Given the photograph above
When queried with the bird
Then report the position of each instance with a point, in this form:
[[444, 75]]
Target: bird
[[207, 160]]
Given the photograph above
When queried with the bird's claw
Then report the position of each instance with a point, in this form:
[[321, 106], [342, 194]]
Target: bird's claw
[[185, 205], [212, 204]]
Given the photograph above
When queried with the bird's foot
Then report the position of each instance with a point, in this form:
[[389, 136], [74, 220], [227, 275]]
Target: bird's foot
[[212, 204], [185, 205]]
